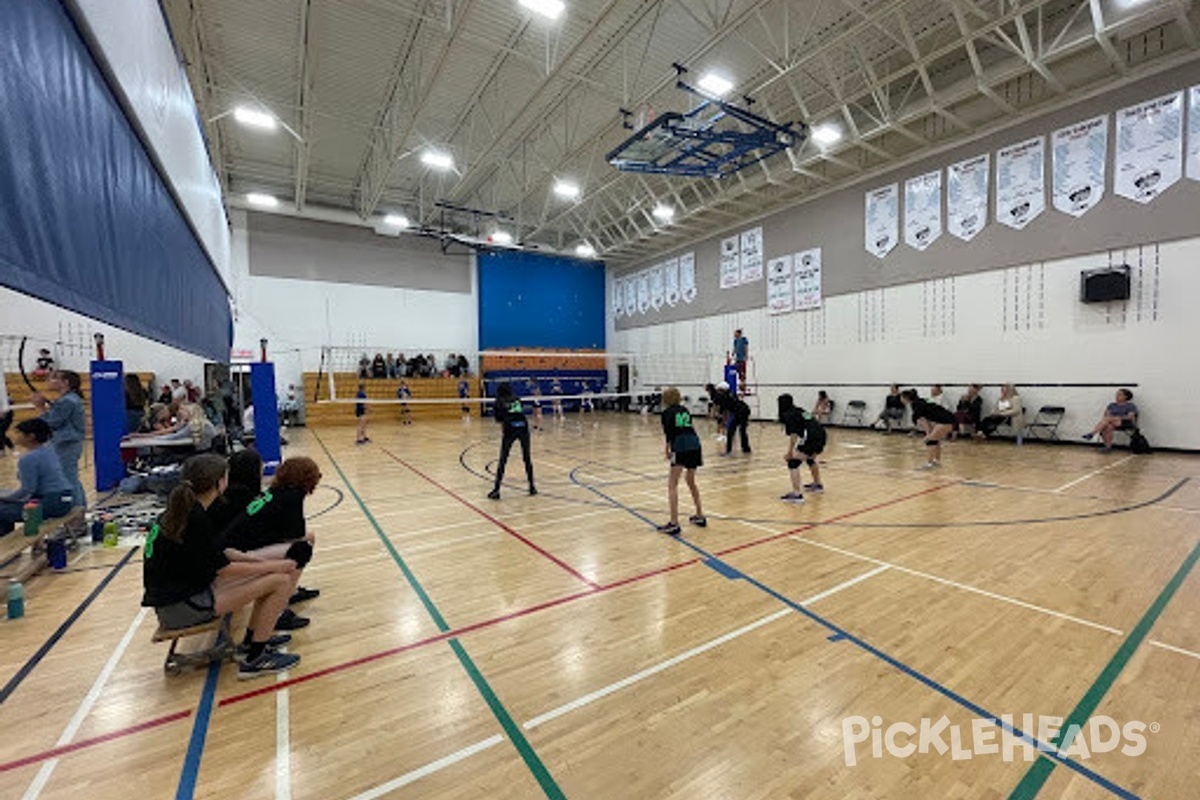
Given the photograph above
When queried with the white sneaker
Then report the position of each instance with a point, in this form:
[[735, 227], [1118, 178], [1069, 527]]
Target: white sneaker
[[931, 465]]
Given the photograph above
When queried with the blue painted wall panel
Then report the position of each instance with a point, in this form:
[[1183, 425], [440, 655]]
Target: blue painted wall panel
[[536, 300]]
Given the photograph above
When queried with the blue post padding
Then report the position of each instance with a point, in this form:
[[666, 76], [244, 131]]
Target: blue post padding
[[266, 414], [108, 422], [731, 377]]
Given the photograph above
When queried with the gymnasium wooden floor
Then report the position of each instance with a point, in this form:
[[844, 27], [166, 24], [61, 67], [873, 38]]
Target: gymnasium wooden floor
[[558, 647]]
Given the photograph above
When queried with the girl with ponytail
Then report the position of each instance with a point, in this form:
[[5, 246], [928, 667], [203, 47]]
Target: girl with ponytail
[[190, 578]]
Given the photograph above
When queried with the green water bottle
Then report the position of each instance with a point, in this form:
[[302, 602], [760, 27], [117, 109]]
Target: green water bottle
[[32, 515], [16, 600], [112, 534]]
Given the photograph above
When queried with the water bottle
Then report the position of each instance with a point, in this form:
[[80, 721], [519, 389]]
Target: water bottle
[[16, 600], [98, 530], [32, 514], [112, 534]]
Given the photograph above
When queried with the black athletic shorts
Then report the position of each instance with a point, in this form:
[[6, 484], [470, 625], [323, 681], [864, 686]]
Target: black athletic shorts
[[688, 459]]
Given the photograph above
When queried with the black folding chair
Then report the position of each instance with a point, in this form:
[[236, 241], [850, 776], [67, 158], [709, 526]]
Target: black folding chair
[[855, 412], [1045, 423]]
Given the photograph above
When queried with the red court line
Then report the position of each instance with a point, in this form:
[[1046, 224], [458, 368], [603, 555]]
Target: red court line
[[541, 551], [809, 526], [85, 743], [487, 623]]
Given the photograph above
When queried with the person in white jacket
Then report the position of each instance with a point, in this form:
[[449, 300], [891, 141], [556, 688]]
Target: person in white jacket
[[1008, 410]]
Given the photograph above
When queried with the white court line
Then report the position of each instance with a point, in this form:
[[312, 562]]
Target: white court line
[[429, 769], [85, 708], [283, 743], [695, 651], [1091, 474], [1175, 649]]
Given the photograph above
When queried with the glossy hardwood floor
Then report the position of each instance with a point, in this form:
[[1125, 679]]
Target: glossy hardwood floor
[[556, 646]]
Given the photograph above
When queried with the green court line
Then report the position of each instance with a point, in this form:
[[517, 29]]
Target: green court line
[[543, 776], [511, 728], [1039, 772]]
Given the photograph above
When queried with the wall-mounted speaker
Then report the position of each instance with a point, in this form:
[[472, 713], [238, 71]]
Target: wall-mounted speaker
[[1104, 285]]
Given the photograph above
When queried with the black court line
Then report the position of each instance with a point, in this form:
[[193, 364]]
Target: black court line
[[44, 650]]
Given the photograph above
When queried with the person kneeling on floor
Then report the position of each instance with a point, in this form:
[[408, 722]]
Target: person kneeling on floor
[[191, 579]]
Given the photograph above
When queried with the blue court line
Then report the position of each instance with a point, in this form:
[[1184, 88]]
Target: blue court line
[[42, 651], [840, 634], [195, 751]]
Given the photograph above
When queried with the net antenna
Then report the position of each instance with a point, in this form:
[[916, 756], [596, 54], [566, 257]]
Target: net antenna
[[712, 140]]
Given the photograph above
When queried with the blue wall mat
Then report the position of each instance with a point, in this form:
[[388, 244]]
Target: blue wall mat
[[536, 300], [108, 422], [86, 221]]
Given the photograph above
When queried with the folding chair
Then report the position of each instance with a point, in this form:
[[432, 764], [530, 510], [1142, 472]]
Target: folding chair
[[855, 411], [1045, 423]]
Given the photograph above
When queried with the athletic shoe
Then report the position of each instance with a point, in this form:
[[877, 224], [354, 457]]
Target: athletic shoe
[[814, 487], [267, 664], [302, 595], [931, 465], [1087, 437], [532, 492], [1106, 449], [494, 494], [792, 497], [290, 621], [669, 528], [698, 520], [273, 644], [746, 450]]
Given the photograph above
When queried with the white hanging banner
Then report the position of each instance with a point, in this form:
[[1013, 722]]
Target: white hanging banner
[[671, 281], [806, 271], [882, 220], [1080, 153], [657, 288], [618, 298], [779, 285], [752, 255], [967, 196], [687, 277], [630, 295], [1149, 148], [643, 291], [1021, 182], [1193, 137], [731, 274], [923, 210]]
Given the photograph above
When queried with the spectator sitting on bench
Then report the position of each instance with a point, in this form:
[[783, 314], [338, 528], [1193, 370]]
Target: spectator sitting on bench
[[1120, 415], [1008, 409], [190, 579], [969, 412], [893, 410], [823, 408], [41, 476]]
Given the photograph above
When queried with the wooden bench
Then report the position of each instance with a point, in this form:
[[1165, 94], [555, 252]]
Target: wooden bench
[[14, 544], [220, 650]]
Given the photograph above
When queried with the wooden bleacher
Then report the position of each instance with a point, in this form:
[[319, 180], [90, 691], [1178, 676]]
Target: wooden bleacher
[[346, 386], [18, 394]]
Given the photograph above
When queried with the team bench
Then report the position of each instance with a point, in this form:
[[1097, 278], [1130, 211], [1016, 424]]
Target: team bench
[[220, 650], [14, 545]]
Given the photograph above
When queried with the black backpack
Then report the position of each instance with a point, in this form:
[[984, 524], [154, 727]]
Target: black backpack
[[1138, 443]]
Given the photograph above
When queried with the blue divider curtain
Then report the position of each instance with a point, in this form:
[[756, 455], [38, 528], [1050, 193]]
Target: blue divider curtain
[[86, 221], [538, 300]]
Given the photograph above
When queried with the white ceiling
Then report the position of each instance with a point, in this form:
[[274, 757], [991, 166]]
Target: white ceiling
[[361, 87]]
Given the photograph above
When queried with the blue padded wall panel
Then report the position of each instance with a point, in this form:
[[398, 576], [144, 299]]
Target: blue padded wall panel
[[85, 219], [536, 300]]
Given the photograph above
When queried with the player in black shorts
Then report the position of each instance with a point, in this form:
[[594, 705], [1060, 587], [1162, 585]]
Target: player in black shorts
[[736, 414], [934, 420], [511, 414], [684, 453], [806, 440]]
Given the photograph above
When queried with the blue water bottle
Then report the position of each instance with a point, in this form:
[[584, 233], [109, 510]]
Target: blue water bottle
[[16, 600]]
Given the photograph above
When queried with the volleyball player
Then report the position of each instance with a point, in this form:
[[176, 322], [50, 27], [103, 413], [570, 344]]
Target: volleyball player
[[464, 391], [935, 421], [684, 453], [511, 414], [557, 405], [806, 441], [403, 394], [535, 390], [360, 412]]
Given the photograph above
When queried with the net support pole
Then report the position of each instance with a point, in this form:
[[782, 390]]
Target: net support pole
[[266, 415], [108, 422]]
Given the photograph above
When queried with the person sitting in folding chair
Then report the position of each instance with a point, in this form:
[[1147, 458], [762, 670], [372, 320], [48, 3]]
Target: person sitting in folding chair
[[1120, 415]]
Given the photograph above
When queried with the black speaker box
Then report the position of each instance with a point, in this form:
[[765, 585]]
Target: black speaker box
[[1104, 285]]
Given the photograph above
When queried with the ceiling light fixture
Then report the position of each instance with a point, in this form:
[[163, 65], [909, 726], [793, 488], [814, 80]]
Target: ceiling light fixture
[[663, 212], [566, 190], [437, 159], [396, 220], [262, 200], [585, 250], [715, 85], [827, 134], [502, 237], [254, 119], [551, 9]]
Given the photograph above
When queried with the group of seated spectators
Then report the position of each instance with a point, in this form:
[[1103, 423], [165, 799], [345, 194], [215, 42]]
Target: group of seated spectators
[[456, 365], [968, 410], [181, 414], [224, 543]]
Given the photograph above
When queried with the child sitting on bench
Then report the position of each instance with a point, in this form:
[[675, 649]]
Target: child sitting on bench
[[41, 476]]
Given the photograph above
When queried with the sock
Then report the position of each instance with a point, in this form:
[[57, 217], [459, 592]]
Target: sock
[[249, 639], [256, 650]]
